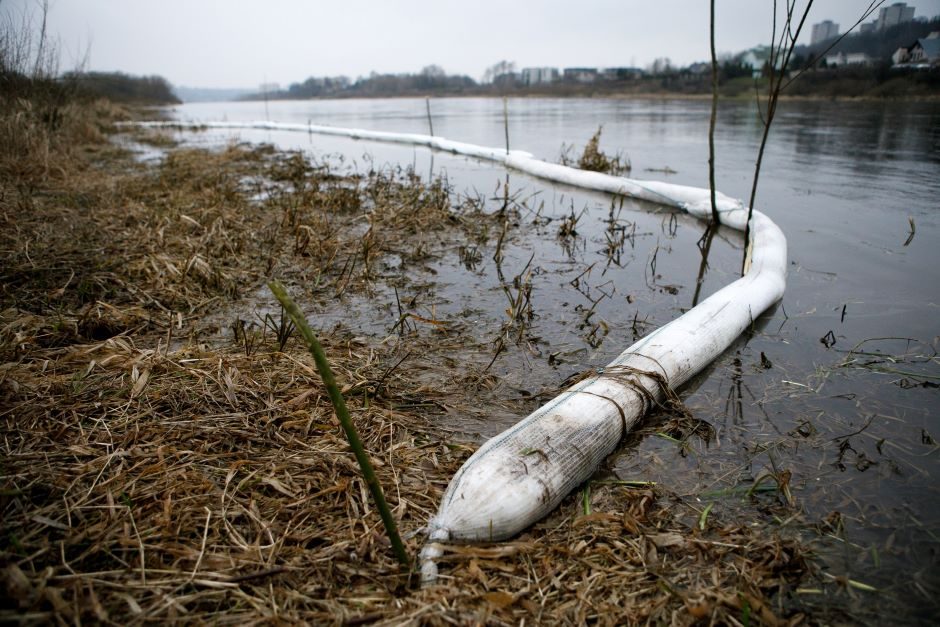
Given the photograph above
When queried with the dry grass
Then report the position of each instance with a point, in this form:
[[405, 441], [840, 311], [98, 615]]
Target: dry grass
[[151, 474], [595, 160], [210, 485]]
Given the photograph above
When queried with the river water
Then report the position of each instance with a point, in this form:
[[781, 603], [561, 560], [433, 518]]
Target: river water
[[837, 385]]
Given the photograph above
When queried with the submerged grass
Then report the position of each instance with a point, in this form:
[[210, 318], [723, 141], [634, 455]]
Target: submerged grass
[[152, 472], [595, 160]]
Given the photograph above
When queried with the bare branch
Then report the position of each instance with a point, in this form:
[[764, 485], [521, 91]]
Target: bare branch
[[872, 7], [38, 67], [711, 125]]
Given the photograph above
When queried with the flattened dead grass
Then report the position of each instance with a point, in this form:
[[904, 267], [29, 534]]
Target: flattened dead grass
[[150, 474]]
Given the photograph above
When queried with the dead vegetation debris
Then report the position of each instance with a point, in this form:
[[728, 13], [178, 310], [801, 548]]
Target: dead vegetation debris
[[595, 160], [151, 475]]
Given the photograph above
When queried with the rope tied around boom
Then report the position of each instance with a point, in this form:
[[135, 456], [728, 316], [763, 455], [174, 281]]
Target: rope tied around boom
[[631, 378]]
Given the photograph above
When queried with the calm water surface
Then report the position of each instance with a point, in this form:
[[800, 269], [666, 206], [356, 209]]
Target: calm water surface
[[845, 182]]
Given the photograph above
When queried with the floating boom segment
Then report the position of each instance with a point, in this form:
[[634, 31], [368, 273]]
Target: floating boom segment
[[522, 474], [692, 199]]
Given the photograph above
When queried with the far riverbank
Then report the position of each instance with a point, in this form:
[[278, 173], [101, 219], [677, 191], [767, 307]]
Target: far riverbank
[[860, 83]]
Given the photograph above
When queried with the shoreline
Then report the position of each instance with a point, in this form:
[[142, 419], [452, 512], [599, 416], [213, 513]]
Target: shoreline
[[199, 444], [602, 96], [160, 407], [847, 85]]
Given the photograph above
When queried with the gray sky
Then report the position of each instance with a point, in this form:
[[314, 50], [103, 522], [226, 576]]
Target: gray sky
[[236, 43]]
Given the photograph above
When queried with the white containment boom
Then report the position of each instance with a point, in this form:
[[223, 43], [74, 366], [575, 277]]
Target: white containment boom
[[522, 474]]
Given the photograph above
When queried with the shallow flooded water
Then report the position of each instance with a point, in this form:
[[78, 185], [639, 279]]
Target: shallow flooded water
[[831, 398]]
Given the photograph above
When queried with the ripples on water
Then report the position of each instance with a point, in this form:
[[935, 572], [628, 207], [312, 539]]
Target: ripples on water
[[856, 430]]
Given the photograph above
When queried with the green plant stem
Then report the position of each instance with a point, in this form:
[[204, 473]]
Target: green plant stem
[[339, 405], [703, 519]]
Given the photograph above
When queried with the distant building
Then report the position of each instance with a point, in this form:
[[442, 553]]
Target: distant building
[[897, 13], [900, 56], [826, 29], [926, 50], [267, 88], [507, 79], [581, 74], [537, 75], [851, 58], [621, 73], [867, 27], [756, 59], [699, 68]]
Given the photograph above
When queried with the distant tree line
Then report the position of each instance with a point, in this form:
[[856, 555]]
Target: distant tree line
[[123, 88], [432, 78], [314, 87]]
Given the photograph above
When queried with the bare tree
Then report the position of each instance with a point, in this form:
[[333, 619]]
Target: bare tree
[[38, 68], [873, 6], [660, 66], [498, 69], [433, 72], [782, 46], [25, 48], [781, 51]]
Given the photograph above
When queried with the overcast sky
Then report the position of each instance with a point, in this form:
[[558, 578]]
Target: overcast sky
[[242, 43]]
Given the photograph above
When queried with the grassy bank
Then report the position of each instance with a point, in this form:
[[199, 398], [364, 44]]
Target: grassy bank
[[862, 83], [165, 458]]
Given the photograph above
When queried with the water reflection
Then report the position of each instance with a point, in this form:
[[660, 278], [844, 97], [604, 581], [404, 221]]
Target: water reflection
[[863, 133], [841, 180], [704, 246]]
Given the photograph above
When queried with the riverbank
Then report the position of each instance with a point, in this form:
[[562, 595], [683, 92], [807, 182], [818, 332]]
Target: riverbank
[[166, 459], [852, 83]]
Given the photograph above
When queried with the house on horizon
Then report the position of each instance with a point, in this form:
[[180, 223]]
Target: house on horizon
[[507, 79], [901, 55], [581, 74], [840, 59], [621, 73], [756, 58], [699, 68], [539, 75], [925, 51]]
